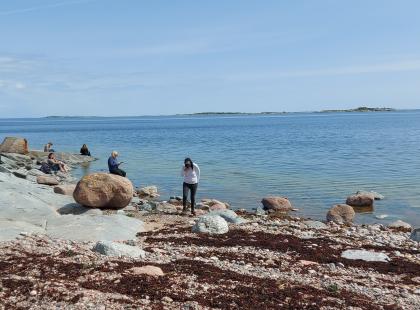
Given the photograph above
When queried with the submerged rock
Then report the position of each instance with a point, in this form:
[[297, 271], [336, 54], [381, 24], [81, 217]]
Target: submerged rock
[[211, 224], [103, 190], [360, 200], [115, 249], [340, 214], [375, 195], [276, 203], [367, 256], [14, 145]]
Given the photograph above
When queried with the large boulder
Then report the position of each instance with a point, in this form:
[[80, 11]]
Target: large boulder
[[46, 180], [103, 190], [276, 203], [360, 200], [14, 145], [341, 214], [211, 224]]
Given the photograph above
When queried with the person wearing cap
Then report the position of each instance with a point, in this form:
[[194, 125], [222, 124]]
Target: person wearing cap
[[114, 165]]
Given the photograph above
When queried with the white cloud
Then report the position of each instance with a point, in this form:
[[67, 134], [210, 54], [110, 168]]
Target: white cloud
[[36, 8], [398, 66], [19, 85], [13, 64], [7, 85]]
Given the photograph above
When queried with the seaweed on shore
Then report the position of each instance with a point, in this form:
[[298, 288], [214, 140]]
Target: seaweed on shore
[[320, 250]]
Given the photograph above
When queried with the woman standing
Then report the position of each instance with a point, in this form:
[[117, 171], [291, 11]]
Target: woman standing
[[191, 173]]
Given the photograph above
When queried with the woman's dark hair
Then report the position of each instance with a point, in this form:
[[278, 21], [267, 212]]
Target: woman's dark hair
[[84, 147], [50, 155], [188, 160]]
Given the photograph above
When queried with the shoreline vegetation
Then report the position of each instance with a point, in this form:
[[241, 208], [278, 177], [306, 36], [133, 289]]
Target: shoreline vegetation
[[359, 110], [144, 254]]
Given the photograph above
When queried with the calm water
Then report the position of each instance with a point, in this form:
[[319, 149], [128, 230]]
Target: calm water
[[314, 159]]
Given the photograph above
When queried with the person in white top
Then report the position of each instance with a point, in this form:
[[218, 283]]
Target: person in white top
[[191, 173]]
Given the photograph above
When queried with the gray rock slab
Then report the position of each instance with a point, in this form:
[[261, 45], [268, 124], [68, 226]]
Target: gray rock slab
[[113, 227], [367, 256], [10, 229], [76, 209], [115, 249], [21, 200], [3, 169]]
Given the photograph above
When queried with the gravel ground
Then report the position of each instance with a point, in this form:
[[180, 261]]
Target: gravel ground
[[268, 263]]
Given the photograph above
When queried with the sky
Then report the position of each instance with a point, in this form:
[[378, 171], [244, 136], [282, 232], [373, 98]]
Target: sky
[[135, 57]]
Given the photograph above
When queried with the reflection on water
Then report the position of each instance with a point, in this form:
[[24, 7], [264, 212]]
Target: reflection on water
[[85, 168], [365, 209]]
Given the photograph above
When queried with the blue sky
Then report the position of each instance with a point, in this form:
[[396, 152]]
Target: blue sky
[[129, 57]]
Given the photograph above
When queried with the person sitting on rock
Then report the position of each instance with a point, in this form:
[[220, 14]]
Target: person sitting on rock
[[47, 148], [55, 164], [114, 165], [84, 150]]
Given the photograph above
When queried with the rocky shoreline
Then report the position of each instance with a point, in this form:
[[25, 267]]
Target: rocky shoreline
[[55, 253]]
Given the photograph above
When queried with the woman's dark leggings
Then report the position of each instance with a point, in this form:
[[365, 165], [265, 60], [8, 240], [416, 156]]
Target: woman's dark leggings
[[185, 188]]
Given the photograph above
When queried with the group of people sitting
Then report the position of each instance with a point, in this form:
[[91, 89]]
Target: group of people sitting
[[190, 173], [53, 164]]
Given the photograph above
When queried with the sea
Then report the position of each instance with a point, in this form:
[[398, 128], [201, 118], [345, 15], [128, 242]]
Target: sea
[[314, 159]]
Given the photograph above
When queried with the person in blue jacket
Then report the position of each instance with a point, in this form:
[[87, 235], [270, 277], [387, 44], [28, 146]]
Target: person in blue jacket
[[114, 165]]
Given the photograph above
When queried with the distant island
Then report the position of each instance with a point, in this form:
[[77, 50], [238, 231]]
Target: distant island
[[360, 109], [233, 113]]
